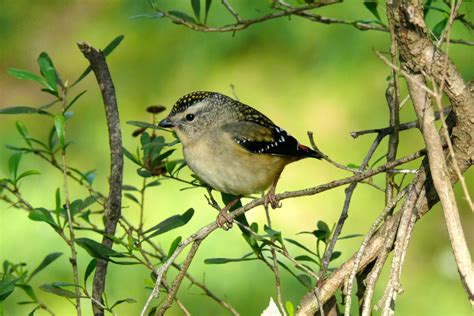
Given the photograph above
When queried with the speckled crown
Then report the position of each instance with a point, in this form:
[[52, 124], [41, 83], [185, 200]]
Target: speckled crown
[[189, 99]]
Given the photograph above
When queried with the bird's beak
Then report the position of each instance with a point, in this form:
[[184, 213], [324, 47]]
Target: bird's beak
[[166, 123]]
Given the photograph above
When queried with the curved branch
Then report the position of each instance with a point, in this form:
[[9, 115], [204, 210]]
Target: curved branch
[[114, 202]]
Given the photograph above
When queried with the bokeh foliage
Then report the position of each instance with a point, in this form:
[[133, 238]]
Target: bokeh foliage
[[305, 76]]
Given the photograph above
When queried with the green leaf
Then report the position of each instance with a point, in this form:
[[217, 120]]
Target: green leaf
[[29, 291], [208, 6], [74, 100], [296, 243], [132, 197], [46, 262], [97, 250], [372, 7], [272, 233], [165, 155], [23, 110], [426, 7], [50, 288], [305, 258], [323, 226], [126, 187], [153, 184], [227, 260], [353, 166], [48, 71], [335, 255], [305, 280], [21, 127], [378, 160], [131, 156], [58, 203], [290, 308], [143, 124], [13, 164], [144, 173], [145, 138], [170, 165], [28, 75], [174, 245], [27, 174], [183, 16], [107, 50], [196, 4], [439, 28], [42, 215], [59, 123], [7, 285], [90, 268], [170, 223], [350, 236], [126, 300], [112, 45]]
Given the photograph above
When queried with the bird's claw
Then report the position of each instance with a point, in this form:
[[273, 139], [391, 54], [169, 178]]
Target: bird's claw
[[223, 220], [270, 198]]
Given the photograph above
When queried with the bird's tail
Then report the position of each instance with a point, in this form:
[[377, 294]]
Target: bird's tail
[[308, 152]]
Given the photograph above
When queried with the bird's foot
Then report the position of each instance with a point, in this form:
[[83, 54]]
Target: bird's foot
[[270, 198], [223, 220]]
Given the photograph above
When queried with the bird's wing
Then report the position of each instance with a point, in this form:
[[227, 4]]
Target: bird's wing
[[267, 138]]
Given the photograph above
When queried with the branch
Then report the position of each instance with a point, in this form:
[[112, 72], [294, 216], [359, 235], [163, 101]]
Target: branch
[[402, 127], [420, 55], [244, 23], [114, 203]]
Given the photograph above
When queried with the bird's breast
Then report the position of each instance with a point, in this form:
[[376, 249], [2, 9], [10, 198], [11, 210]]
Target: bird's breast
[[232, 169]]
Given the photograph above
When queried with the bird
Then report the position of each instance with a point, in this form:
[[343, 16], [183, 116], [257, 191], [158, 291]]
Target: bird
[[232, 147]]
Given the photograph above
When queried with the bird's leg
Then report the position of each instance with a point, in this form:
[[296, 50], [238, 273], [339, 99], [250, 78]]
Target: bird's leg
[[223, 220], [270, 196]]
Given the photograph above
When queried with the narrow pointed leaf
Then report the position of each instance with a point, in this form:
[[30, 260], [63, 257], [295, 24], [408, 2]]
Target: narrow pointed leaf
[[58, 291], [97, 250], [47, 70], [42, 215], [23, 110], [107, 50], [28, 75], [372, 7], [46, 262], [170, 223], [13, 164], [196, 5], [59, 123], [208, 6], [90, 268]]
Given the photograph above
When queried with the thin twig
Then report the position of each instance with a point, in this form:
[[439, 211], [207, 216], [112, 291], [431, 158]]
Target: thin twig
[[345, 209], [349, 282], [275, 269], [72, 238], [402, 127], [392, 95], [243, 24], [231, 10], [179, 278]]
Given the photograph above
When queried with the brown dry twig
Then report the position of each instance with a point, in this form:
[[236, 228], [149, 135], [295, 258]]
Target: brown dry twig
[[114, 201]]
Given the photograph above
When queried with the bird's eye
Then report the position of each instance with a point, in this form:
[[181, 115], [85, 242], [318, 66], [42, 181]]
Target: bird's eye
[[190, 117]]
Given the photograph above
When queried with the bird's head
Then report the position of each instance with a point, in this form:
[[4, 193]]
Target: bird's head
[[196, 114]]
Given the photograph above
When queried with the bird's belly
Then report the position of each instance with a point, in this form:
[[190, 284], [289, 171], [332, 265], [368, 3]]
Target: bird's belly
[[235, 173]]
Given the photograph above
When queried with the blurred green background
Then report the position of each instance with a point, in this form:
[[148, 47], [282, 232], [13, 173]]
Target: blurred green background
[[303, 75]]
